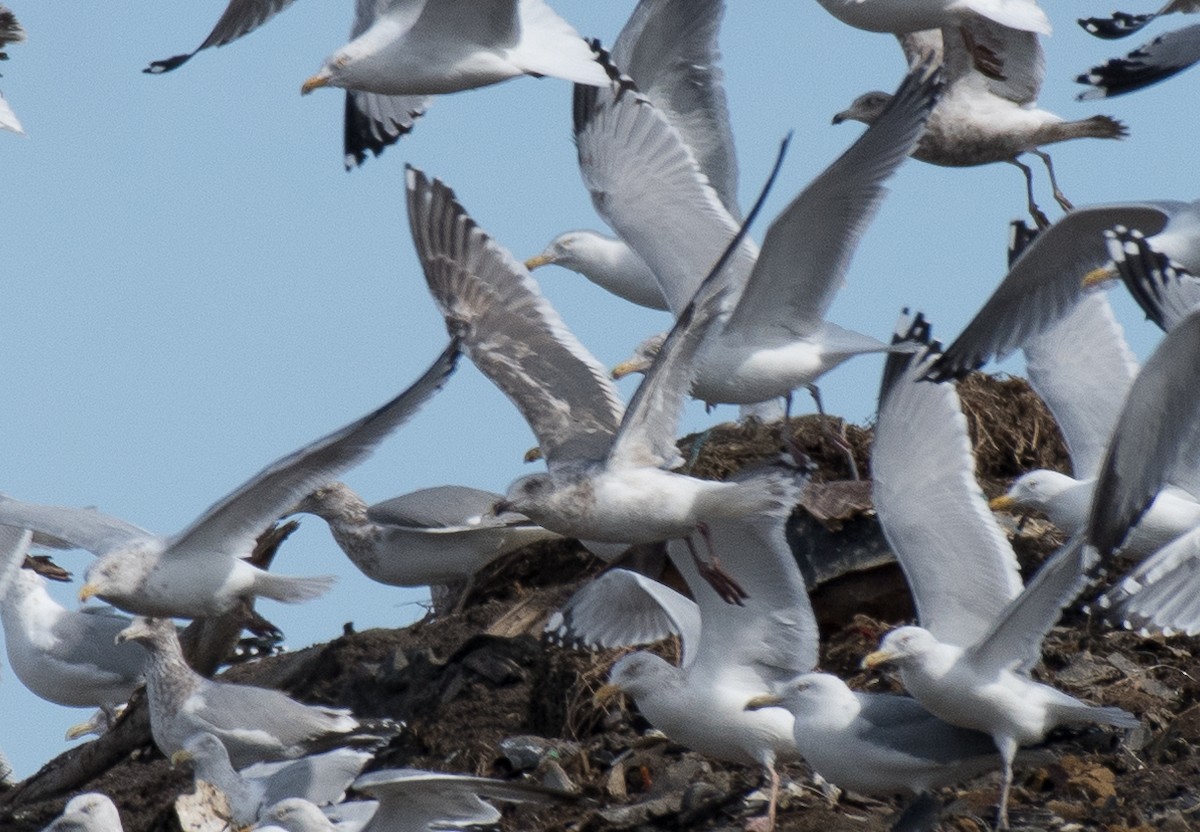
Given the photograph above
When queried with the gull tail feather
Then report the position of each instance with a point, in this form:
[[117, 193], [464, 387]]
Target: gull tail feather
[[291, 589]]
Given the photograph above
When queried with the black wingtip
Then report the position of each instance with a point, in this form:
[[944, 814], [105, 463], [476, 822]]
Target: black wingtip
[[1115, 26], [1145, 271], [1020, 236], [168, 64], [583, 103]]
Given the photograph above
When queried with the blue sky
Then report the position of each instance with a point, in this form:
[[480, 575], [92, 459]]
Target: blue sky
[[193, 286]]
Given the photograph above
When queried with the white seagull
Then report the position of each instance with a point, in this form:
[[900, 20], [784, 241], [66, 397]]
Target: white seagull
[[64, 656], [669, 49], [201, 570], [981, 632], [772, 337], [731, 653], [902, 16]]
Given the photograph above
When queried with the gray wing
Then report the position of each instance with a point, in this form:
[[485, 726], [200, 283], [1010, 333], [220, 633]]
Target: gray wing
[[900, 724], [510, 330], [808, 247], [649, 188], [422, 801], [229, 711], [1015, 642], [960, 567], [1083, 368], [14, 545], [1162, 593], [440, 507], [773, 633], [624, 609], [1042, 284], [374, 122], [83, 527], [647, 433], [1157, 438], [1165, 290], [233, 523], [319, 778], [88, 637], [1153, 61], [985, 58], [669, 49], [241, 17]]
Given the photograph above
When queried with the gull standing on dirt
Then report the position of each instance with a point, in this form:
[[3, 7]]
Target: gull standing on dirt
[[981, 632], [609, 477], [435, 536], [64, 656], [253, 723], [772, 336], [201, 570], [988, 112], [319, 778], [10, 32], [669, 50], [731, 653]]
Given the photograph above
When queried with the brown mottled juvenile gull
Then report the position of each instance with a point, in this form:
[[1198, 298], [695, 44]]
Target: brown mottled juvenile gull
[[253, 723], [980, 631], [988, 112], [201, 570], [64, 656], [609, 477], [319, 778]]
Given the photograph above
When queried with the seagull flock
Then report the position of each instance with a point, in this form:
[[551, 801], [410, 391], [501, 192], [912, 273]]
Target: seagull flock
[[750, 323]]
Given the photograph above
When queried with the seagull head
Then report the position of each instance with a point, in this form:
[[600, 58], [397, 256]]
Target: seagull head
[[901, 645], [802, 694], [1035, 489], [866, 108], [643, 356], [637, 675], [145, 630], [529, 495]]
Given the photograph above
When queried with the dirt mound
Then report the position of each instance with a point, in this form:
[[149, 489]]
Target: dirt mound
[[480, 692]]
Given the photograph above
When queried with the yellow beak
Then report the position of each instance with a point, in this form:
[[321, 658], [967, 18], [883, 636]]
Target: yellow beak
[[181, 756], [87, 591], [541, 260], [1002, 503], [877, 658], [626, 367], [606, 694], [77, 731], [1097, 276], [763, 700], [313, 83]]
